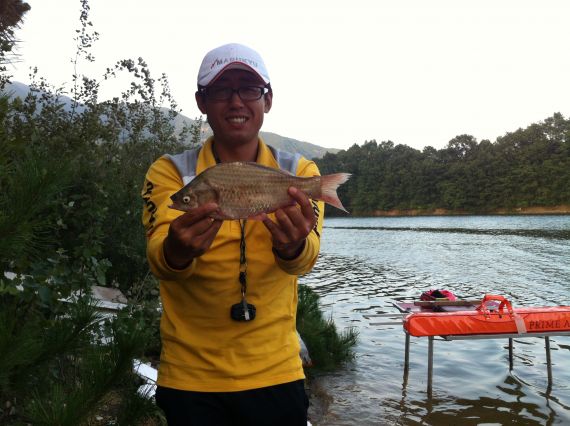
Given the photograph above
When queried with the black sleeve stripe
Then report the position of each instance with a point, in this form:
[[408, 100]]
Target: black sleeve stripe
[[317, 212]]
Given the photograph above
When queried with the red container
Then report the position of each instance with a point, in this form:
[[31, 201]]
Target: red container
[[483, 321]]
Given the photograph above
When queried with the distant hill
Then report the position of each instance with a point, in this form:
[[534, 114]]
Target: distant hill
[[306, 149], [283, 143], [17, 90]]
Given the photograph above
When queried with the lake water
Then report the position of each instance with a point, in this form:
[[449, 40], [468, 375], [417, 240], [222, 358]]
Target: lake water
[[367, 263]]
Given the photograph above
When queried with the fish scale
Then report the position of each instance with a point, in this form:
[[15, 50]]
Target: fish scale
[[243, 189]]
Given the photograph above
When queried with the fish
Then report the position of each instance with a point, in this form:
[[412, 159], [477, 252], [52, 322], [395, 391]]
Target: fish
[[244, 190]]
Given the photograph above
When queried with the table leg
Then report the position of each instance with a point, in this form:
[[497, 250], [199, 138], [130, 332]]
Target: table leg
[[407, 354], [548, 360], [430, 365], [510, 354]]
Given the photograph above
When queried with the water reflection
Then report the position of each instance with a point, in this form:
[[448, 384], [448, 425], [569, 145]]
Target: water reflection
[[362, 271], [535, 233]]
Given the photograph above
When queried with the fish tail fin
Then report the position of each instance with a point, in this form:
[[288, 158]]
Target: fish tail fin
[[329, 185]]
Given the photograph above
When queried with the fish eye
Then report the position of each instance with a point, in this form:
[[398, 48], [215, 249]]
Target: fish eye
[[186, 199]]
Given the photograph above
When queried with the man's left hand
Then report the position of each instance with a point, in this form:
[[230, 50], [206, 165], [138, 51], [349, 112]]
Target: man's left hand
[[293, 225]]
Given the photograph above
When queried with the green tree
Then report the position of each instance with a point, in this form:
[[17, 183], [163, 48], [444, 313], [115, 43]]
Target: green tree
[[527, 167], [70, 180], [11, 15]]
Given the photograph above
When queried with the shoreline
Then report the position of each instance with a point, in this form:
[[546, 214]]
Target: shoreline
[[563, 209], [319, 401]]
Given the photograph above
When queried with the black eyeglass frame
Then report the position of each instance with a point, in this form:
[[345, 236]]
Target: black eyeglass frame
[[263, 90]]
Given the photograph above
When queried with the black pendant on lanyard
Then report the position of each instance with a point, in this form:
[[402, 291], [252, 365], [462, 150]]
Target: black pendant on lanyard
[[242, 311]]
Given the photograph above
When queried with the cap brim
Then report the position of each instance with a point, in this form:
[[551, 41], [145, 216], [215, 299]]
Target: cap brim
[[235, 66]]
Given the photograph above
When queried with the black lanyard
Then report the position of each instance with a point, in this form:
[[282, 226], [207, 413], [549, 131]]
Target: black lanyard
[[243, 268], [242, 311]]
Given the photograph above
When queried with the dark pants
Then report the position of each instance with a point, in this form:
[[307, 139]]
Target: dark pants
[[284, 404]]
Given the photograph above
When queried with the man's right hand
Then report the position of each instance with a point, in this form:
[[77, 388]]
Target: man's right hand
[[190, 235]]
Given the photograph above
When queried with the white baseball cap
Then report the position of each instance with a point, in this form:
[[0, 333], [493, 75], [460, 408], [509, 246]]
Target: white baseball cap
[[230, 56]]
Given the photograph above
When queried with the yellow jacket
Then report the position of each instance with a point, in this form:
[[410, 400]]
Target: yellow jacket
[[203, 349]]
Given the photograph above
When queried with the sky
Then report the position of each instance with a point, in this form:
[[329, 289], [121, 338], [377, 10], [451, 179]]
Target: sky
[[416, 72]]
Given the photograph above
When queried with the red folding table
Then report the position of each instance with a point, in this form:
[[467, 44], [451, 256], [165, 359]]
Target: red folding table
[[470, 320]]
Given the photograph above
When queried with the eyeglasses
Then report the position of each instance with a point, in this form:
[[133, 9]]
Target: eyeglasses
[[246, 93]]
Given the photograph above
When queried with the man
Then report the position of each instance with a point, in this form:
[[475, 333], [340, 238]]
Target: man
[[230, 352]]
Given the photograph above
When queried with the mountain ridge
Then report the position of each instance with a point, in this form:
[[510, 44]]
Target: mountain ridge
[[284, 143]]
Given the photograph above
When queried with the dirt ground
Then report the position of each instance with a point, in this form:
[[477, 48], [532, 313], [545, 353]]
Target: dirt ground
[[320, 401]]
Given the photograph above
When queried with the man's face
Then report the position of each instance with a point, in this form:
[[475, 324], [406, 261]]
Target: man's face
[[235, 121]]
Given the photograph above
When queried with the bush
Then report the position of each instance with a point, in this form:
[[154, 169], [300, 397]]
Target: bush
[[328, 348], [70, 206], [61, 368]]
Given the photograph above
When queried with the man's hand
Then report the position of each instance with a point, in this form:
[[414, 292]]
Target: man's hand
[[293, 225], [190, 235]]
